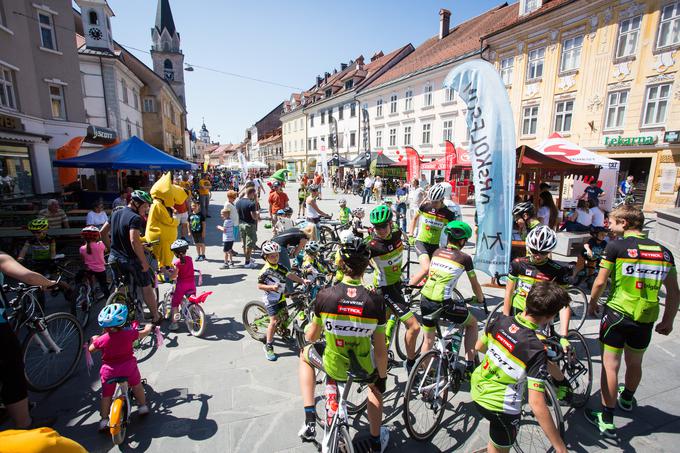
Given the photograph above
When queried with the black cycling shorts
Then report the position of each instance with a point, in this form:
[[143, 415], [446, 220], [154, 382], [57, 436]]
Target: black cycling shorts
[[502, 427], [423, 248], [313, 355], [457, 312], [618, 331], [394, 298], [13, 387], [131, 269]]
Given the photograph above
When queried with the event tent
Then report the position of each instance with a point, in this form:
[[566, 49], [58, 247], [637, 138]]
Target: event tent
[[132, 154]]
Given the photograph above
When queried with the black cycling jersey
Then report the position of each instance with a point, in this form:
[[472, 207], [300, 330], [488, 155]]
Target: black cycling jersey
[[290, 237], [525, 273]]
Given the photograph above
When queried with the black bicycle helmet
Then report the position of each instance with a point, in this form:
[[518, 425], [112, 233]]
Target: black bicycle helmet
[[355, 254], [522, 208]]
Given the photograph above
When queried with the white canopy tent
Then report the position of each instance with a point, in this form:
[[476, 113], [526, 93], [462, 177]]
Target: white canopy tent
[[556, 145], [256, 164]]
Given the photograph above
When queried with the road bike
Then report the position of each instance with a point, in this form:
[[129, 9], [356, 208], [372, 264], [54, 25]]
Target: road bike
[[52, 344], [190, 310], [121, 408]]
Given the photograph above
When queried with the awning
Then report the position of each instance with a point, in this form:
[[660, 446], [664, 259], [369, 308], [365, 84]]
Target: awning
[[529, 159], [556, 145], [342, 161]]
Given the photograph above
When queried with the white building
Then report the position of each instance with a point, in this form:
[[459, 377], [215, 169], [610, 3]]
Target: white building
[[294, 126]]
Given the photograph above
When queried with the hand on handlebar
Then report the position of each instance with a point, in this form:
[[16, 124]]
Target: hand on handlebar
[[566, 345]]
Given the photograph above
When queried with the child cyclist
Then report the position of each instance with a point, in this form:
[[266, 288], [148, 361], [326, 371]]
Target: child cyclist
[[227, 229], [272, 281], [592, 251], [514, 358], [92, 254], [118, 359], [183, 274], [358, 228], [448, 264], [345, 212], [41, 248], [526, 272], [312, 266]]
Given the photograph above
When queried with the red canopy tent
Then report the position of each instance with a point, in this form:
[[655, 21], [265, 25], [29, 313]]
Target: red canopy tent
[[440, 164]]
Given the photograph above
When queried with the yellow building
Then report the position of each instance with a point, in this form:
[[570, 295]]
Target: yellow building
[[604, 74], [294, 139]]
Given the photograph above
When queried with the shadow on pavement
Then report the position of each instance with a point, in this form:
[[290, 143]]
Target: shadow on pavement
[[211, 279]]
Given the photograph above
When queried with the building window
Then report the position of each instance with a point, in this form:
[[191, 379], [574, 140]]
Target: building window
[[352, 139], [311, 120], [315, 143], [149, 106], [135, 99], [427, 129], [656, 104], [629, 30], [349, 84], [323, 117], [94, 19], [341, 140], [407, 135], [427, 96], [393, 104], [450, 95], [378, 139], [563, 114], [57, 102], [352, 110], [571, 53], [341, 112], [330, 115], [129, 128], [616, 109], [124, 91], [393, 137], [669, 27], [7, 97], [329, 92], [530, 6], [378, 108], [506, 70], [529, 120], [47, 38], [139, 129], [448, 130], [535, 63], [408, 101], [309, 144]]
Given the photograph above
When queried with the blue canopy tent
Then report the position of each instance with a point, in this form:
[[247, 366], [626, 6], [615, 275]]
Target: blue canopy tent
[[132, 154]]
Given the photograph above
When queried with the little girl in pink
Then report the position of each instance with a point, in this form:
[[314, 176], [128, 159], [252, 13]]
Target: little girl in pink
[[118, 359], [184, 274]]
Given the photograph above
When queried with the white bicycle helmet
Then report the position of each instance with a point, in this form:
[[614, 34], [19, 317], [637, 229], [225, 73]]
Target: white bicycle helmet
[[180, 245], [541, 239], [356, 212], [436, 192], [346, 237], [342, 202], [270, 247], [312, 247]]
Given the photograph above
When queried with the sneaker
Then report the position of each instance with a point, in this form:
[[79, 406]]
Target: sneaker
[[143, 410], [173, 327], [308, 432], [251, 265], [203, 258], [625, 405], [269, 353], [103, 424], [224, 266], [384, 439], [607, 430], [199, 258]]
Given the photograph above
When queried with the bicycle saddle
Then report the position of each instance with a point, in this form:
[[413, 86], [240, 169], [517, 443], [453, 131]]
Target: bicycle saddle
[[199, 299], [435, 315], [116, 380]]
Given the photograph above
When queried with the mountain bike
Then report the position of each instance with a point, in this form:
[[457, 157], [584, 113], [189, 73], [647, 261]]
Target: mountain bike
[[52, 345], [121, 408], [329, 230], [436, 373]]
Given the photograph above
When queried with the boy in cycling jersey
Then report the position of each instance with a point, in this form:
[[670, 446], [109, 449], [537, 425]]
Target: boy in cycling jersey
[[386, 249], [272, 280], [447, 266], [525, 220], [638, 267], [311, 263], [592, 250], [345, 213], [41, 248], [515, 357], [526, 272], [353, 322]]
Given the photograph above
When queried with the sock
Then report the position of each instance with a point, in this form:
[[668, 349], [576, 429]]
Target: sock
[[270, 345], [627, 395], [375, 443], [310, 415], [410, 362], [607, 414]]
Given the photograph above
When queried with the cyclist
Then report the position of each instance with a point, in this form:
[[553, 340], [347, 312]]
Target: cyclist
[[311, 263], [431, 219], [92, 255], [637, 267], [447, 266], [41, 248], [272, 280], [345, 212], [524, 215], [183, 274], [346, 237], [386, 251], [353, 322], [592, 251], [526, 272], [358, 228], [127, 251], [515, 357]]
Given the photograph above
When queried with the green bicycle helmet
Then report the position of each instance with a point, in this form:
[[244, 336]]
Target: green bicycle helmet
[[457, 230], [39, 224], [141, 197], [380, 214]]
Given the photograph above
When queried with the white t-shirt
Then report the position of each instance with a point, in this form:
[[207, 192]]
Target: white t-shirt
[[233, 213], [368, 182], [96, 219], [585, 218], [378, 184], [597, 217], [544, 213], [415, 197]]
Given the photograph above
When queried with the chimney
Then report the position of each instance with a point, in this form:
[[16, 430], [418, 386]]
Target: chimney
[[343, 66], [444, 19], [326, 76], [318, 81], [377, 55], [360, 62]]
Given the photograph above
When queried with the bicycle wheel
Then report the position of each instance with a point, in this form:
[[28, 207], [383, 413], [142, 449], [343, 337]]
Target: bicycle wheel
[[577, 367], [118, 421], [195, 320], [578, 307], [255, 320], [46, 368], [145, 347], [80, 309], [530, 436], [165, 306], [498, 309], [326, 234], [357, 398], [425, 396], [341, 441]]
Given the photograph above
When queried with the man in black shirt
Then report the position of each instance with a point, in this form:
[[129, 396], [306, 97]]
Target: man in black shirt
[[592, 192], [127, 251], [248, 215]]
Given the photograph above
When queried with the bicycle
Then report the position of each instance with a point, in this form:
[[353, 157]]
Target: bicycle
[[121, 408], [85, 297], [329, 230], [52, 347], [190, 310]]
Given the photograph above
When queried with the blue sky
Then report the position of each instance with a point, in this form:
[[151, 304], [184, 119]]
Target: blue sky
[[287, 42]]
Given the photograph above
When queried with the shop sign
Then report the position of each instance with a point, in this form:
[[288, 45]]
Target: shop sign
[[100, 135], [10, 122], [631, 141], [672, 137]]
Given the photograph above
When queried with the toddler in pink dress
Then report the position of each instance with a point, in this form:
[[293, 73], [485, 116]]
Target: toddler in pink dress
[[184, 276]]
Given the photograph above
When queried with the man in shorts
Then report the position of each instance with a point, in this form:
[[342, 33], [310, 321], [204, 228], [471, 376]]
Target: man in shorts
[[638, 267], [248, 215]]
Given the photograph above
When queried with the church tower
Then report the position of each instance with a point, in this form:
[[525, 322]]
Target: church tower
[[168, 59], [96, 16], [203, 134]]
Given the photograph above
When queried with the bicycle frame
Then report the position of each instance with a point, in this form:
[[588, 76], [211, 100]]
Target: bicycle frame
[[450, 354], [118, 420], [340, 416], [25, 315]]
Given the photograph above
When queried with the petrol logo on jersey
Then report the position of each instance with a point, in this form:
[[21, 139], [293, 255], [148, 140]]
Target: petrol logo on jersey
[[651, 255], [505, 342], [355, 311]]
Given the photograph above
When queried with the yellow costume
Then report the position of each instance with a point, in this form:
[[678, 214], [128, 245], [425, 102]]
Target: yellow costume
[[161, 226], [40, 440]]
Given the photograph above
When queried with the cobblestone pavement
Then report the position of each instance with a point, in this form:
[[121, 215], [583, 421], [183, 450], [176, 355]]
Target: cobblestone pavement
[[219, 393]]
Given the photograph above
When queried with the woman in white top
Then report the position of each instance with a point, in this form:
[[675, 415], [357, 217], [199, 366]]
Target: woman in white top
[[547, 212], [580, 219], [596, 214], [416, 195], [97, 217], [314, 212], [377, 189]]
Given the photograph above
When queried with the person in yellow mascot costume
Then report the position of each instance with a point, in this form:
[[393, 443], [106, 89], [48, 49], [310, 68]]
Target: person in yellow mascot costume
[[161, 225]]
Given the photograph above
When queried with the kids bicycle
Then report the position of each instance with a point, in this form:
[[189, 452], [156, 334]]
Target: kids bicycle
[[190, 310], [121, 408]]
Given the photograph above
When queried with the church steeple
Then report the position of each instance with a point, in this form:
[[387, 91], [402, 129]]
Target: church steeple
[[167, 56]]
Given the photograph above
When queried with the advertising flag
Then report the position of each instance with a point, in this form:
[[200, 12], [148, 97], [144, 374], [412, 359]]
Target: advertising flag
[[244, 166], [492, 151], [366, 134], [333, 141], [412, 164], [450, 160]]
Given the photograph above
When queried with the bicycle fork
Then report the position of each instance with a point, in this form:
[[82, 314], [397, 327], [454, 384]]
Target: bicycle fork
[[44, 339]]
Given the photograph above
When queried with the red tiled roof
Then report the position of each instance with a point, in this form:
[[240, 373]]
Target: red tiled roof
[[548, 5], [461, 40]]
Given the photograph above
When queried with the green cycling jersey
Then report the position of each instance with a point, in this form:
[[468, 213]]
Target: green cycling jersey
[[386, 258], [447, 266], [432, 221]]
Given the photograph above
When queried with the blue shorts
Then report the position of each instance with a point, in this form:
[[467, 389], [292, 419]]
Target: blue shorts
[[274, 308]]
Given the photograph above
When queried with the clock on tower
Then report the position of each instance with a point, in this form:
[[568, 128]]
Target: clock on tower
[[95, 33], [169, 74]]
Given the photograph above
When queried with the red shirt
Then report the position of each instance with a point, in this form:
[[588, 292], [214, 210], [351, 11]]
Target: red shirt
[[277, 200], [317, 179]]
